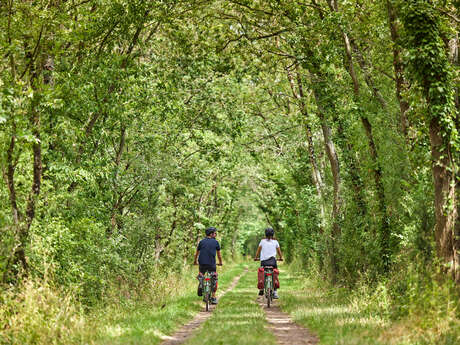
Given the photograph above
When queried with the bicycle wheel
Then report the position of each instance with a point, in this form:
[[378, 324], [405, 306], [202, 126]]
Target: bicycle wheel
[[268, 292], [207, 282]]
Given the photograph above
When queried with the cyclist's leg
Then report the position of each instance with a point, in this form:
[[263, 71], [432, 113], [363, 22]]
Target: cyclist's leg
[[214, 279], [200, 277], [276, 282]]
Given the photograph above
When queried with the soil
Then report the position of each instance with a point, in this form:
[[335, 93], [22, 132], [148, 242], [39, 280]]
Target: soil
[[286, 331], [186, 331]]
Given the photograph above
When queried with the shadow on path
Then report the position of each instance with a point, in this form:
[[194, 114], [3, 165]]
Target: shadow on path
[[285, 330], [186, 331]]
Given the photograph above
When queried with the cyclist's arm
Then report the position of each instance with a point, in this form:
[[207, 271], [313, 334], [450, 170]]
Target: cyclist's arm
[[196, 257], [219, 257], [258, 253], [280, 256]]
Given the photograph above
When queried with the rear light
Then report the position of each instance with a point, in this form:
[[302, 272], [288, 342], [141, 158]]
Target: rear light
[[269, 274], [207, 279]]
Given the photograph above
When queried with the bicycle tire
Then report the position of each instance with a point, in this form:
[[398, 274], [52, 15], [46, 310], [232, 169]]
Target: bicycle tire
[[268, 292], [207, 288]]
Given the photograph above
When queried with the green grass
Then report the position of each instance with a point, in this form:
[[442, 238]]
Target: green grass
[[238, 319], [146, 324], [330, 314], [40, 314], [362, 317]]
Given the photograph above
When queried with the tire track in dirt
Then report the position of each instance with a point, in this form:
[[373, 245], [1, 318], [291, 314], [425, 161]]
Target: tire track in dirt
[[286, 331], [186, 331]]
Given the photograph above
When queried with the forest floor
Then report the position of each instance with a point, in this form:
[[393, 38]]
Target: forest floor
[[306, 313], [242, 318]]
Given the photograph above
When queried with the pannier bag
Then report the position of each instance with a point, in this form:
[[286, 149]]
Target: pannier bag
[[214, 280], [276, 280], [260, 278]]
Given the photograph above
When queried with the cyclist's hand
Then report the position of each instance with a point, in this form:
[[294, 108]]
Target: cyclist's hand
[[195, 263], [219, 264], [280, 259], [256, 259]]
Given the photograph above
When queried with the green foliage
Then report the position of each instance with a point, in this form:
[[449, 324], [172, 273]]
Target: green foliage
[[429, 66], [155, 120], [412, 307]]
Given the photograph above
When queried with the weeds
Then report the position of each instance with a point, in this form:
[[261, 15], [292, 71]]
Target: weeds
[[36, 313], [416, 308]]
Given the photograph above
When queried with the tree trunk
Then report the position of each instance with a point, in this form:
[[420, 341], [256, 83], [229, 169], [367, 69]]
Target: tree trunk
[[337, 201], [456, 239], [444, 194], [171, 230], [234, 238], [377, 171], [454, 60], [316, 175], [35, 71], [117, 206], [434, 75], [10, 178], [398, 70]]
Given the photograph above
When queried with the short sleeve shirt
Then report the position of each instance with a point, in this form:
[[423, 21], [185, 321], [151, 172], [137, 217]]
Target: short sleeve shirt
[[268, 249], [208, 248]]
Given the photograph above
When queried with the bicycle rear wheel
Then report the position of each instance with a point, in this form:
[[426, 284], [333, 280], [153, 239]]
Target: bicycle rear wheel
[[268, 291], [207, 295]]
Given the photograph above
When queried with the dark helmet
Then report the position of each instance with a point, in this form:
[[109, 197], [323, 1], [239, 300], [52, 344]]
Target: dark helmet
[[269, 232], [210, 230]]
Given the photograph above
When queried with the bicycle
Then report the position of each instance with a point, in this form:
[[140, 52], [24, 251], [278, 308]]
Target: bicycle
[[268, 284], [269, 289], [207, 289]]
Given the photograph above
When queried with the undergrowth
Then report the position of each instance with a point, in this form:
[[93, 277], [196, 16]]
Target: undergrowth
[[37, 312], [413, 307]]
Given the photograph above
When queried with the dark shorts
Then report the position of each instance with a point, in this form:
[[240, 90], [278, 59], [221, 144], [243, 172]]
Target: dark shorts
[[269, 262], [208, 268]]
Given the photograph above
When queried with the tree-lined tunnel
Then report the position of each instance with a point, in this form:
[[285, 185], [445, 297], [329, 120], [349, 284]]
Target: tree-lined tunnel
[[127, 127]]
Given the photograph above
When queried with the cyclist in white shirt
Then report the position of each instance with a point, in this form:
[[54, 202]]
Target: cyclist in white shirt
[[268, 248]]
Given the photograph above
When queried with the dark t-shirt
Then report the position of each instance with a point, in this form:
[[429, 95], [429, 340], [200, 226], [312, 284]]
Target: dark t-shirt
[[208, 248]]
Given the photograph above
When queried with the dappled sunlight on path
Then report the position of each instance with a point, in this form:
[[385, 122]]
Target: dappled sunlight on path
[[282, 326], [186, 331]]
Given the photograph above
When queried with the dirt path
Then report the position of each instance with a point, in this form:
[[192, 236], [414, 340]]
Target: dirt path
[[186, 331], [287, 332]]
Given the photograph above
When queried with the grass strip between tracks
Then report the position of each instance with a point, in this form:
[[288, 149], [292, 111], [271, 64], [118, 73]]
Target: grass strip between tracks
[[238, 319]]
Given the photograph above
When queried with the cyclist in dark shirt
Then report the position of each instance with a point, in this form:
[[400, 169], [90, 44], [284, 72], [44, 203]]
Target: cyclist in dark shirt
[[206, 255]]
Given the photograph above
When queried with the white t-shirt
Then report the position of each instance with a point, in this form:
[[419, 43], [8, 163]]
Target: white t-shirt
[[268, 248]]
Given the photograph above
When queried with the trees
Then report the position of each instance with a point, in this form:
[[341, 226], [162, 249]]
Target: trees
[[430, 69], [154, 120]]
